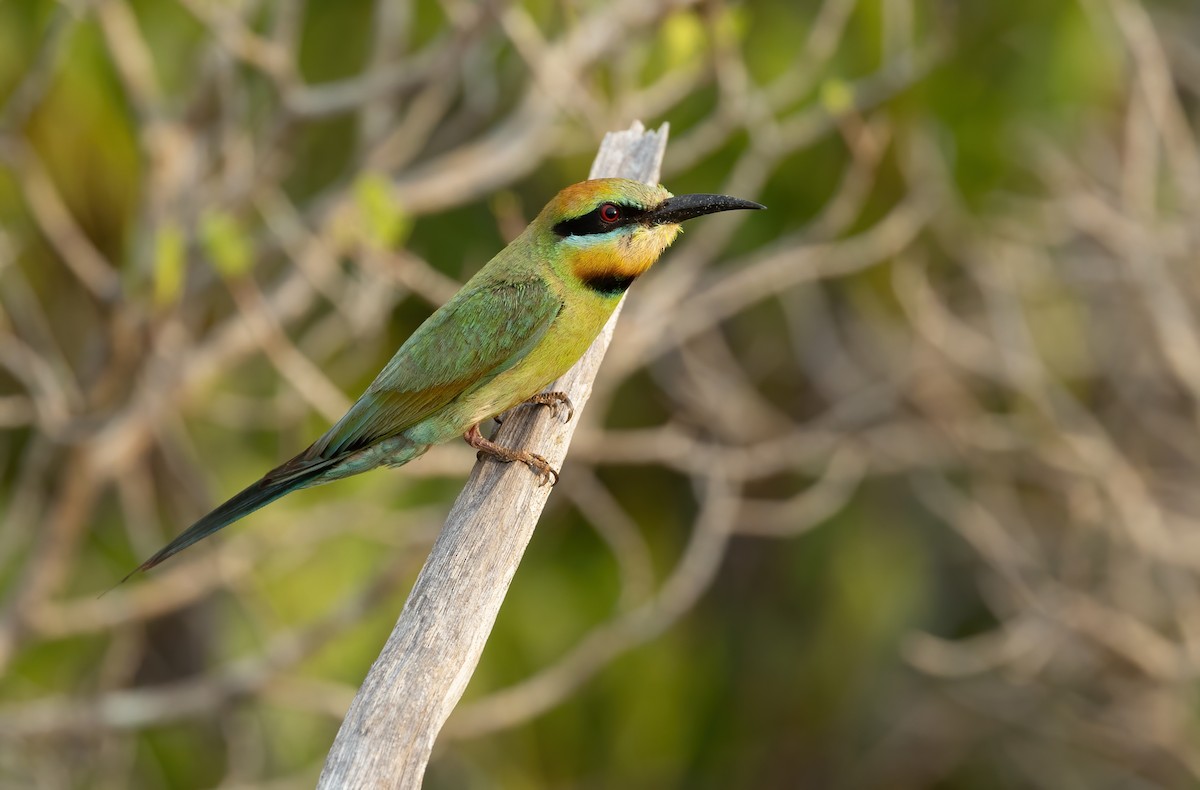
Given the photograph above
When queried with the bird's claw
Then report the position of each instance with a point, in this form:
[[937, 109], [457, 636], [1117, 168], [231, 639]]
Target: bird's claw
[[545, 472], [555, 400], [536, 463]]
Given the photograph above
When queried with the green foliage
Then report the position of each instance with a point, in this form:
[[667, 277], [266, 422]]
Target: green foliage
[[169, 264], [384, 222], [225, 243]]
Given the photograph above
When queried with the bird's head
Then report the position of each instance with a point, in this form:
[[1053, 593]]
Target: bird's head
[[608, 231]]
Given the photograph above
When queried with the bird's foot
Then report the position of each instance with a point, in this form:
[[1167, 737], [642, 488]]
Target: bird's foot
[[555, 400], [546, 473]]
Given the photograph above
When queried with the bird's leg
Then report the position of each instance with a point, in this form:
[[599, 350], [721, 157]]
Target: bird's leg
[[537, 463], [554, 400]]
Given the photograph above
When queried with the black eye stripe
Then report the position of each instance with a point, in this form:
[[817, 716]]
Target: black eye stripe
[[591, 222]]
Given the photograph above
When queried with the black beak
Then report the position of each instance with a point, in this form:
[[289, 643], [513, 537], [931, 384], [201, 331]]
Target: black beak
[[677, 209]]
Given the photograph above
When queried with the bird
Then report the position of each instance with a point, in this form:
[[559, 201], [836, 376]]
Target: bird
[[517, 325]]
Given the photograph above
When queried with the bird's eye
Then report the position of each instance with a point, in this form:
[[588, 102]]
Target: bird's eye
[[610, 213]]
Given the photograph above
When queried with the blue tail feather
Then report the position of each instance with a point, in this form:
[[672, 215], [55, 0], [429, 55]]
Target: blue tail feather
[[287, 478]]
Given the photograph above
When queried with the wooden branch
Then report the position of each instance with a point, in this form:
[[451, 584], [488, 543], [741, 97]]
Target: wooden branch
[[389, 731]]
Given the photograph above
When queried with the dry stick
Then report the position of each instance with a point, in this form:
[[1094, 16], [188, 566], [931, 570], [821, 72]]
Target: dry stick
[[388, 734]]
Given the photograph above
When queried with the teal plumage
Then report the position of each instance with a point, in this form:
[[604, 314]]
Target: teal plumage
[[515, 326]]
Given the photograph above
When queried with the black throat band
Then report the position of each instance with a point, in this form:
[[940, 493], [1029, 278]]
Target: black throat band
[[609, 284]]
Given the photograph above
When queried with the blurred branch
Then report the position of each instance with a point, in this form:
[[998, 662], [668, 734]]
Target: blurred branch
[[28, 92], [63, 232], [136, 708], [691, 577]]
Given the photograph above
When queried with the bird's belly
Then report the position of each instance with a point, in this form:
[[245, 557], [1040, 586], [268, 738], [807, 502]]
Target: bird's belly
[[553, 356]]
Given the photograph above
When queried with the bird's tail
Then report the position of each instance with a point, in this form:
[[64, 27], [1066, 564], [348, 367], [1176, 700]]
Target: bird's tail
[[287, 478]]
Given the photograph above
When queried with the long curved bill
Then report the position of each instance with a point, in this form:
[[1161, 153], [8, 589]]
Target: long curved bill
[[683, 207]]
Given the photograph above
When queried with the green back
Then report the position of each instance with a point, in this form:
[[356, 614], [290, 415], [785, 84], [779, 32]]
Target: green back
[[483, 331]]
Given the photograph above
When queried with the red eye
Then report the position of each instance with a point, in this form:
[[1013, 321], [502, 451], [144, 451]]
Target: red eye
[[610, 213]]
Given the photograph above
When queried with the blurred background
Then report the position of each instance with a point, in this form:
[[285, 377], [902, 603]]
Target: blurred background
[[893, 485]]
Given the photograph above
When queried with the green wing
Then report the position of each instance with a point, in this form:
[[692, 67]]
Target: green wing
[[477, 335]]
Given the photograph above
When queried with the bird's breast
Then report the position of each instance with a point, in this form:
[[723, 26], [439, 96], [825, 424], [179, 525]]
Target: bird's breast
[[577, 325]]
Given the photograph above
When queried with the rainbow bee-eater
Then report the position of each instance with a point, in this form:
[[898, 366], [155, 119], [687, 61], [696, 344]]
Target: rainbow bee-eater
[[513, 328]]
